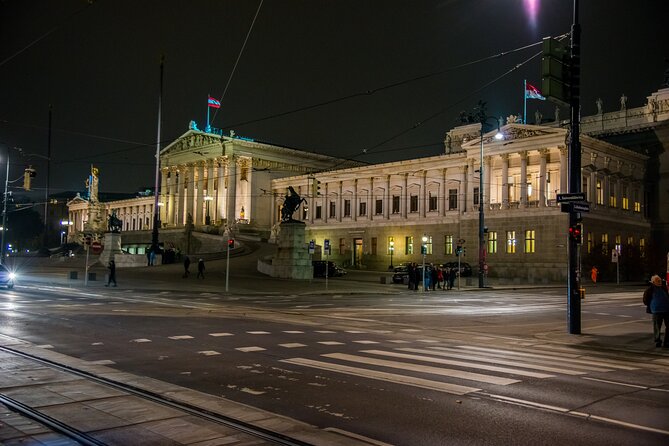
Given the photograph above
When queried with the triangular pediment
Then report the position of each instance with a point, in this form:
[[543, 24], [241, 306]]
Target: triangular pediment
[[191, 142], [515, 132], [77, 200]]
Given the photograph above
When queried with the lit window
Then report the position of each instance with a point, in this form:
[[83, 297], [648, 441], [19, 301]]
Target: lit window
[[510, 242], [448, 244], [529, 241], [626, 200], [600, 192], [408, 245], [642, 247], [590, 242], [428, 244], [613, 202], [605, 244], [492, 242], [637, 203], [618, 243]]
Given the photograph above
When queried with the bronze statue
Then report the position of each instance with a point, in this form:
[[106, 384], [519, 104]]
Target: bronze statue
[[290, 204], [114, 224]]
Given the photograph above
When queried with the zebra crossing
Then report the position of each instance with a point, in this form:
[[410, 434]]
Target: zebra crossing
[[459, 370]]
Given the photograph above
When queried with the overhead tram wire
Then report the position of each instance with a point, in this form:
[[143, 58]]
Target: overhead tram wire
[[239, 56]]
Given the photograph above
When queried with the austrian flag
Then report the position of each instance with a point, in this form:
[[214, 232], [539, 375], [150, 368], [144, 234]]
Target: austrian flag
[[213, 103], [532, 92]]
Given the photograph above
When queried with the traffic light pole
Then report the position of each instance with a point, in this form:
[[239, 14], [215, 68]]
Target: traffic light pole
[[4, 213], [573, 295]]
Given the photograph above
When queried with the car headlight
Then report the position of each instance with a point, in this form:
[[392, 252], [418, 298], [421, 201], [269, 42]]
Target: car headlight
[[12, 276]]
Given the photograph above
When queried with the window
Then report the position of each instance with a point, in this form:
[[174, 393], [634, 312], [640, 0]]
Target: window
[[319, 211], [626, 200], [347, 208], [374, 245], [612, 195], [428, 244], [379, 207], [396, 204], [492, 242], [590, 242], [408, 245], [637, 203], [529, 241], [452, 199], [414, 203], [432, 202], [342, 246], [477, 195], [448, 244], [600, 192], [618, 245], [605, 244], [510, 242], [642, 247], [630, 240], [391, 245], [333, 209], [363, 208]]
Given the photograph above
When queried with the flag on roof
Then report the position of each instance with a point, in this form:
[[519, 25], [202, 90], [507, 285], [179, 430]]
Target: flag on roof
[[213, 103], [532, 92]]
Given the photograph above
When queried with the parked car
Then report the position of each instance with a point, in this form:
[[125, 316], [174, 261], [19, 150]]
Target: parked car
[[6, 277], [333, 269], [465, 268]]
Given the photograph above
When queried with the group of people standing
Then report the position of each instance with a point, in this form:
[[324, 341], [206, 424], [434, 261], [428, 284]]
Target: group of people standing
[[435, 277], [200, 268]]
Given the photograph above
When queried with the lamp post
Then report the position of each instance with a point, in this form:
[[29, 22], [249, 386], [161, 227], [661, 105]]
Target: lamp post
[[423, 250], [392, 250], [483, 118], [207, 219]]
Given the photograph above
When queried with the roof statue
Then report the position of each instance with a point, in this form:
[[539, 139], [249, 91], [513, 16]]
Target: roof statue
[[114, 224]]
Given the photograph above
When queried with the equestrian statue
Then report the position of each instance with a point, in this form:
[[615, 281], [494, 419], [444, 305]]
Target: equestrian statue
[[291, 204]]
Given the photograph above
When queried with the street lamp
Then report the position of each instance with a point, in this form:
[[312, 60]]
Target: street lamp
[[483, 118], [207, 219], [423, 250], [66, 224], [392, 250]]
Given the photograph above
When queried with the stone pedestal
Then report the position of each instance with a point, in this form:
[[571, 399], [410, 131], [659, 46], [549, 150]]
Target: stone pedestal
[[292, 259], [111, 247]]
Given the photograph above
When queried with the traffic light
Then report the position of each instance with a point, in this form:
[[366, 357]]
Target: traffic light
[[28, 175], [231, 243], [576, 233], [458, 250], [316, 188], [556, 70]]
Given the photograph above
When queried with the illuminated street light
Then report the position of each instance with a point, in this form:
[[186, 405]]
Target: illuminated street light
[[392, 250], [207, 219], [423, 250]]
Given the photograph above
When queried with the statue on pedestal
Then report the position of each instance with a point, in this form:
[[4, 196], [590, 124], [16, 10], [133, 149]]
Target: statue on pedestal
[[114, 224], [290, 204]]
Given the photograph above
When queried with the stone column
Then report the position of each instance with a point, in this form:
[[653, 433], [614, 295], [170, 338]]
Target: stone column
[[356, 200], [564, 170], [505, 181], [163, 197], [371, 208], [470, 184], [487, 161], [181, 195], [387, 202], [171, 190], [198, 215], [543, 153], [231, 201], [444, 193], [523, 179], [210, 190], [422, 203], [340, 206], [220, 189], [405, 196], [190, 193]]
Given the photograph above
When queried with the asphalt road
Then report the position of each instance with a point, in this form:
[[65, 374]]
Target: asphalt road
[[456, 367]]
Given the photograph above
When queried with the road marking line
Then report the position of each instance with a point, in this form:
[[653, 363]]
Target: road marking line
[[331, 343], [615, 383], [259, 332], [357, 436], [180, 337], [102, 362], [529, 403], [250, 349], [427, 341], [365, 342], [424, 369], [398, 341], [325, 331], [355, 331], [293, 331], [595, 362], [383, 376], [220, 334], [208, 353], [292, 345], [458, 363], [140, 340]]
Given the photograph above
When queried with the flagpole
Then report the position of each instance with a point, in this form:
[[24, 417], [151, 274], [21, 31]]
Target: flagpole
[[524, 101], [207, 127]]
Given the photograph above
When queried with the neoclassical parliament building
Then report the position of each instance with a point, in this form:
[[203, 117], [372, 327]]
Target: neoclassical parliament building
[[375, 215]]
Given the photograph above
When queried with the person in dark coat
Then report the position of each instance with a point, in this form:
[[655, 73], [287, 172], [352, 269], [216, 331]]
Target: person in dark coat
[[200, 268], [451, 278], [411, 273], [186, 266], [434, 276], [112, 273], [657, 300]]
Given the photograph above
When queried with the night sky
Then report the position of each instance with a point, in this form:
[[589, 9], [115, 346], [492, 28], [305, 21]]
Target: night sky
[[97, 64]]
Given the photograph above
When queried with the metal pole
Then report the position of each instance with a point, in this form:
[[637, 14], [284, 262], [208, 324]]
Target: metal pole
[[88, 249], [573, 297], [4, 214], [524, 101], [423, 289], [227, 265], [46, 191], [481, 216], [155, 248]]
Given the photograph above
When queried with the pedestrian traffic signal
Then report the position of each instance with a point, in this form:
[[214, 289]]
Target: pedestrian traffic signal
[[231, 243], [316, 188], [458, 250], [576, 233]]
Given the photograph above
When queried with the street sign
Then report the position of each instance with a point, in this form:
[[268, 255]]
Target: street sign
[[312, 246], [96, 247], [564, 198], [580, 207], [326, 246], [614, 256]]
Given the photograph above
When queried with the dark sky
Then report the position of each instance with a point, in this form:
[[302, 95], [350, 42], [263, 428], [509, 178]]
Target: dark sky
[[98, 66]]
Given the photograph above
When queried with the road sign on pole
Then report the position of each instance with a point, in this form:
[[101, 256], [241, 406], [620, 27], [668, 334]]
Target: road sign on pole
[[576, 196]]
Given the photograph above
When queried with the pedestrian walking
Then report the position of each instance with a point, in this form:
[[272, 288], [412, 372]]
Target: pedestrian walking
[[593, 274], [186, 266], [111, 266], [411, 273], [451, 278], [656, 300], [440, 279], [434, 275], [200, 268]]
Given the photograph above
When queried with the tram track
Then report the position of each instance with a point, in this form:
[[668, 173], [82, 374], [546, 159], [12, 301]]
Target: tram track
[[271, 437]]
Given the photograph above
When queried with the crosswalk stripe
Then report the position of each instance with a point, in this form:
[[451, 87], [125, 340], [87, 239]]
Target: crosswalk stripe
[[383, 376], [595, 362], [457, 363], [454, 353], [560, 350], [424, 369]]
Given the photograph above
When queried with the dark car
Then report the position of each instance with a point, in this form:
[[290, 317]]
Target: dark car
[[465, 268], [333, 269], [6, 277]]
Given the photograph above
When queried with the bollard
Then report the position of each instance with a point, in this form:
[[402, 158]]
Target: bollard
[[581, 293]]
